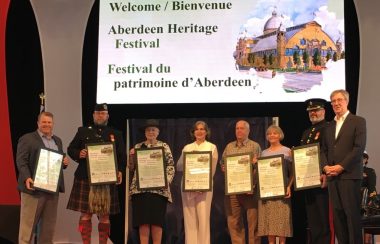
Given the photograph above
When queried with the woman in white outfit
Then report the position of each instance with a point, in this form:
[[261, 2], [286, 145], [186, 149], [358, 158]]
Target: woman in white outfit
[[197, 205]]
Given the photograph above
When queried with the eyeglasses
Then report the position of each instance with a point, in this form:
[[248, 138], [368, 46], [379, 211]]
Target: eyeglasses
[[338, 100]]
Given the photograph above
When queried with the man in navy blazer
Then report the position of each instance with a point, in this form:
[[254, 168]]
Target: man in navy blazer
[[341, 158], [37, 207]]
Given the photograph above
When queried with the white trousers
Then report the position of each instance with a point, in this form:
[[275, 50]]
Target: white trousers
[[196, 214]]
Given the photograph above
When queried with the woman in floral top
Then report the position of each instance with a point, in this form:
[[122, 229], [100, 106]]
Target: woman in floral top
[[149, 206]]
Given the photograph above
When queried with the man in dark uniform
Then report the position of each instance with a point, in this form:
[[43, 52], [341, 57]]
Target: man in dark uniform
[[369, 176], [317, 199], [369, 184], [101, 200]]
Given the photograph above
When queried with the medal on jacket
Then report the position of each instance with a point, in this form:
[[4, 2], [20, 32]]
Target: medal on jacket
[[112, 137], [316, 136]]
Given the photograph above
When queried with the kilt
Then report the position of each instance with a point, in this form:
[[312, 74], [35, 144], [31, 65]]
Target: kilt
[[148, 208], [79, 197]]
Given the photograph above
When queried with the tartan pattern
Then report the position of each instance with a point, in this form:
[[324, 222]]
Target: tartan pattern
[[79, 197], [85, 229], [104, 230]]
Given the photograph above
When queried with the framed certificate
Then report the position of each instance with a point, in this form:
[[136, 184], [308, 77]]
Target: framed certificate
[[48, 170], [238, 170], [271, 177], [197, 171], [150, 168], [306, 166], [101, 163]]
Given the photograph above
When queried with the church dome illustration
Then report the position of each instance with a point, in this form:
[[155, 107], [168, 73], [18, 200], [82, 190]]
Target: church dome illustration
[[272, 23]]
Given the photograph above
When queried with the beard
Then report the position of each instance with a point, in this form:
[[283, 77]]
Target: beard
[[101, 123], [315, 120]]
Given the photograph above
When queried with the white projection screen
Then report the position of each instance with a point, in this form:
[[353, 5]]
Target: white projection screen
[[210, 51]]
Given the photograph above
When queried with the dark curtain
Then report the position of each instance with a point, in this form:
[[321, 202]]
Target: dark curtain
[[176, 132]]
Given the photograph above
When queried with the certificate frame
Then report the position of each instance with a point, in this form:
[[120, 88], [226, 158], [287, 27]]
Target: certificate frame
[[306, 166], [195, 164], [271, 167], [233, 169], [101, 163], [150, 168], [47, 172]]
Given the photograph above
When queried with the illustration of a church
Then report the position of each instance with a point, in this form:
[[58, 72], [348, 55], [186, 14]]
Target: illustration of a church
[[304, 46]]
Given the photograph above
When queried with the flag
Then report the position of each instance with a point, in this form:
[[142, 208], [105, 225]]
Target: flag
[[42, 105]]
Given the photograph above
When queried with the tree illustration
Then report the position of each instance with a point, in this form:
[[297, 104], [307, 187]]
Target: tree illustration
[[328, 56], [296, 59], [305, 58], [317, 58], [271, 59], [335, 56], [251, 58], [265, 59]]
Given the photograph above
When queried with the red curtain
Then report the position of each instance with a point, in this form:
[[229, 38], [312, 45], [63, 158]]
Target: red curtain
[[8, 183]]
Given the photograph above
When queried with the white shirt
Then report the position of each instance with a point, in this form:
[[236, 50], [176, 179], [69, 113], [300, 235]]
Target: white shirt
[[339, 123], [48, 141], [204, 146]]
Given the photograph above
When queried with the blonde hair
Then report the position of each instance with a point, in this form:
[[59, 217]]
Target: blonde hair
[[276, 129], [47, 114]]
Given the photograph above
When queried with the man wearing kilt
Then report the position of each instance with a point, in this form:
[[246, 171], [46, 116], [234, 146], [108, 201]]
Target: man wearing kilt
[[101, 200]]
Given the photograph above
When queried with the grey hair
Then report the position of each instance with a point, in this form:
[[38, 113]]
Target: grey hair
[[341, 91]]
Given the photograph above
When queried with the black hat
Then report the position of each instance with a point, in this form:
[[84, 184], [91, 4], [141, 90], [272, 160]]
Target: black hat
[[101, 107], [150, 123], [315, 103]]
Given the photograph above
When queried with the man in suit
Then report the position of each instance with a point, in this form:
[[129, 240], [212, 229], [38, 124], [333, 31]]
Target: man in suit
[[341, 158], [317, 199], [37, 207]]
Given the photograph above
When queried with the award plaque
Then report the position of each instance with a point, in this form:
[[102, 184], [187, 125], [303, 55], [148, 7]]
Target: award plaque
[[101, 163], [238, 168], [306, 166], [150, 168], [271, 177], [197, 171], [48, 170]]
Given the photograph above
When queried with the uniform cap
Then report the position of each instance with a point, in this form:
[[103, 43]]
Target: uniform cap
[[315, 103], [101, 107]]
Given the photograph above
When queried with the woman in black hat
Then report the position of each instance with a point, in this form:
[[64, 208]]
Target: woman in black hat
[[149, 205]]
